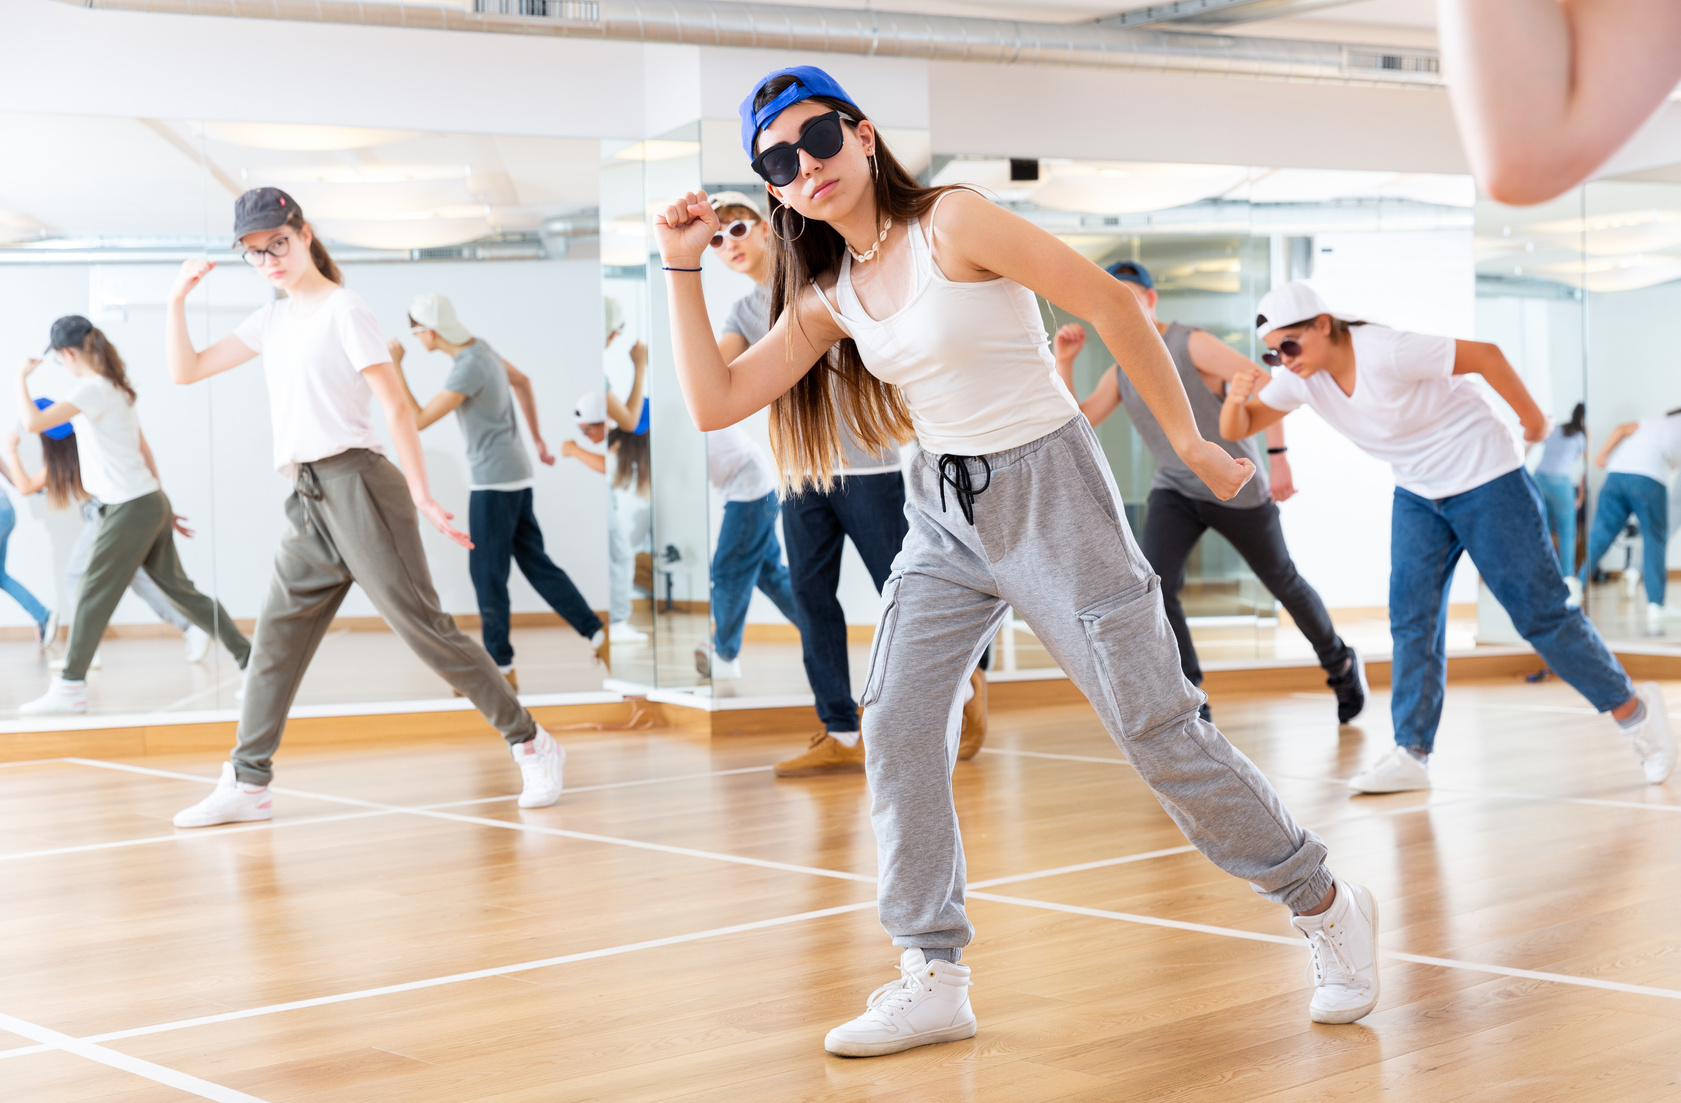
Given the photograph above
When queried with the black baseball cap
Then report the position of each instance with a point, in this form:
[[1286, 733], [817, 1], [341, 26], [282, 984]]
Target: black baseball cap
[[69, 332], [1132, 272], [262, 209]]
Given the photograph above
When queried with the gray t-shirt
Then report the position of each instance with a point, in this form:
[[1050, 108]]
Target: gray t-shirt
[[750, 317], [494, 450], [1171, 471]]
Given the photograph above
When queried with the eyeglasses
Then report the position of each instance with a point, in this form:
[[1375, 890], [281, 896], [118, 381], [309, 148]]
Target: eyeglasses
[[821, 137], [735, 230], [277, 248], [1288, 347]]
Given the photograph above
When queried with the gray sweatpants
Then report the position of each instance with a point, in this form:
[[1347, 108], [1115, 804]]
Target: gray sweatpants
[[350, 520], [1050, 539]]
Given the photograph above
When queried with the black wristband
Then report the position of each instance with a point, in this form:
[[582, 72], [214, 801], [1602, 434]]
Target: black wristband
[[668, 268], [1276, 451]]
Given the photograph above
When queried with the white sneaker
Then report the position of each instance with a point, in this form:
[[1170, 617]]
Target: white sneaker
[[47, 633], [542, 763], [232, 801], [1342, 942], [1396, 772], [61, 697], [1574, 585], [928, 1003], [1652, 741], [709, 665], [622, 631], [1654, 619], [198, 643]]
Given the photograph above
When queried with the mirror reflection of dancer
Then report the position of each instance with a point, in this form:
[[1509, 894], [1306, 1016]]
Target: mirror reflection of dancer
[[11, 469], [866, 504], [481, 389], [1461, 487], [1639, 457], [626, 463], [1010, 503], [352, 517], [1181, 507], [1559, 477], [136, 522]]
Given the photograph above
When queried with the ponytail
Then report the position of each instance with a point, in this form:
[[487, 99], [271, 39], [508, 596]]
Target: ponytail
[[317, 249], [63, 462], [1578, 421], [102, 355]]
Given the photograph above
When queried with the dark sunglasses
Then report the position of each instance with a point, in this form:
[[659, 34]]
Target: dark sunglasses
[[1288, 347], [821, 137]]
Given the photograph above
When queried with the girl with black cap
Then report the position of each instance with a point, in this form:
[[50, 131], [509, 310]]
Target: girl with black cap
[[136, 521], [918, 304], [353, 517]]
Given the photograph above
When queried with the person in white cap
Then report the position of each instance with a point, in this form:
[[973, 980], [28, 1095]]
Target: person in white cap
[[627, 413], [630, 521], [481, 388], [1460, 487]]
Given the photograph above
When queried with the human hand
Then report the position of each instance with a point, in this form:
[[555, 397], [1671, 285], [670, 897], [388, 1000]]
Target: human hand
[[1534, 432], [544, 454], [1246, 384], [684, 230], [1602, 459], [1215, 466], [1069, 341], [29, 365], [639, 355], [180, 524], [192, 271], [1283, 483], [397, 351], [570, 449], [441, 518]]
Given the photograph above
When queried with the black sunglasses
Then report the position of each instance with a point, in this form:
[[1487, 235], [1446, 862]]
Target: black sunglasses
[[822, 137], [1288, 347]]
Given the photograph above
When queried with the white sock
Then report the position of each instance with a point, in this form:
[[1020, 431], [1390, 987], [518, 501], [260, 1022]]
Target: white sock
[[846, 739], [1420, 757], [600, 634], [506, 670]]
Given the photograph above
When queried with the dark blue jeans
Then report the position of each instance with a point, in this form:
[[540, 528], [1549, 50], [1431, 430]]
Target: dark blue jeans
[[1648, 500], [1502, 524], [504, 530], [871, 510], [748, 555]]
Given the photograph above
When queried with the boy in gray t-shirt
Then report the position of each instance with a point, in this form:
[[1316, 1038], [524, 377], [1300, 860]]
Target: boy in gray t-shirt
[[481, 389]]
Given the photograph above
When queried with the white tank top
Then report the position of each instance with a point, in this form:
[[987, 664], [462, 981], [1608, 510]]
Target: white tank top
[[972, 359]]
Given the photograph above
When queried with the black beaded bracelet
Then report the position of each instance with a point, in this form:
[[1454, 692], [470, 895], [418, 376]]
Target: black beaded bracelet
[[1279, 449], [668, 268]]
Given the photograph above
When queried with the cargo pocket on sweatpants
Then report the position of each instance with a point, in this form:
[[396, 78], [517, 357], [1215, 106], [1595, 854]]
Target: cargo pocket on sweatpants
[[1137, 660], [882, 646]]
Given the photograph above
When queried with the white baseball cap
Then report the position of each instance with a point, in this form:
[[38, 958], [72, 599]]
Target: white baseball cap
[[736, 199], [1292, 304], [432, 311], [591, 408]]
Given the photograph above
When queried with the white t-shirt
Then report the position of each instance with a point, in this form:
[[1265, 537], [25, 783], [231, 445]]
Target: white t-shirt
[[108, 439], [1653, 450], [1434, 428], [737, 467], [317, 396]]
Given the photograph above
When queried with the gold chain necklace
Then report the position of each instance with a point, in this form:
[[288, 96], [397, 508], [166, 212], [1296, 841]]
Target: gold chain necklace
[[874, 249]]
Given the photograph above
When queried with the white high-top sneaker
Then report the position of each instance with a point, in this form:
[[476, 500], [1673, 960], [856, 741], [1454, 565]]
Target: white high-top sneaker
[[1652, 740], [1573, 586], [198, 643], [1342, 941], [231, 801], [1396, 772], [542, 763], [61, 697], [928, 1003]]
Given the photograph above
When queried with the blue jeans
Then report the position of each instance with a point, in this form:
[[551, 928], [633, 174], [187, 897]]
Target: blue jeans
[[1501, 525], [504, 530], [1648, 500], [748, 555], [871, 510], [20, 593], [1559, 494]]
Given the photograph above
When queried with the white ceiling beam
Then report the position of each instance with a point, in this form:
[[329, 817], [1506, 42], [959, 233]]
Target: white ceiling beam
[[1214, 12]]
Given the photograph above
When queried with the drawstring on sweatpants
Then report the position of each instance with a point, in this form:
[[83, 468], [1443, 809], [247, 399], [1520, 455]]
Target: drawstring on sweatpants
[[964, 489]]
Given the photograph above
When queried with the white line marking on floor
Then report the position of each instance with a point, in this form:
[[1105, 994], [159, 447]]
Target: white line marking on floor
[[1286, 940], [453, 978], [81, 1047], [32, 762], [1082, 867], [1056, 757]]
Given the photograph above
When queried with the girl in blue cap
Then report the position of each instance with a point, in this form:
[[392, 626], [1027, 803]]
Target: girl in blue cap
[[917, 306]]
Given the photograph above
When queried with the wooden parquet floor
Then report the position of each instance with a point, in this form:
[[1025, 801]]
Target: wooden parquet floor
[[684, 926]]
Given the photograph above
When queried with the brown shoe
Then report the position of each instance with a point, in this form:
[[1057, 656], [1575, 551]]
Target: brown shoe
[[826, 755], [974, 719], [604, 653]]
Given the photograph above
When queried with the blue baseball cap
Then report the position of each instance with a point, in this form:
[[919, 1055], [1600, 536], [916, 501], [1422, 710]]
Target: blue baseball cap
[[57, 432], [809, 81], [1131, 272]]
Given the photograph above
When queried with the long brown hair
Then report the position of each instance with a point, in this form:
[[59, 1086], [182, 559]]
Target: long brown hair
[[63, 463], [805, 421], [102, 355], [317, 250], [632, 466]]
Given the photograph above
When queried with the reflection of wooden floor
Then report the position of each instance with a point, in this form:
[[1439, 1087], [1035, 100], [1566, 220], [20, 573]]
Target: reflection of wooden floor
[[440, 946]]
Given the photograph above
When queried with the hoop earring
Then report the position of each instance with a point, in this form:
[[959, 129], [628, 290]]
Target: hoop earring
[[782, 236]]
